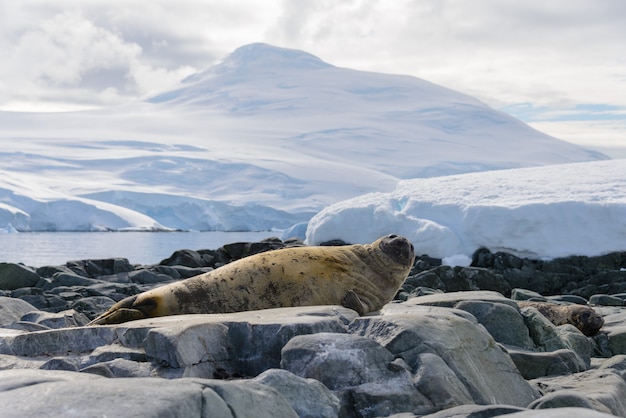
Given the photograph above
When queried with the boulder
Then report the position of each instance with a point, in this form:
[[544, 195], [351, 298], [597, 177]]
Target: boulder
[[615, 332], [98, 268], [503, 321], [532, 364], [12, 309], [439, 383], [543, 332], [409, 330], [308, 397], [61, 394], [14, 276], [359, 370], [604, 389], [244, 343]]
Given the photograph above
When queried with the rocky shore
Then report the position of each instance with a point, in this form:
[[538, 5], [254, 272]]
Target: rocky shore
[[454, 343]]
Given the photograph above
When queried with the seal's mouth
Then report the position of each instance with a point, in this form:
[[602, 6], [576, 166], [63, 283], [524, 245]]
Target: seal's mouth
[[398, 249]]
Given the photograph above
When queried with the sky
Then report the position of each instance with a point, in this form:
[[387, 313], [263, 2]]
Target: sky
[[558, 65]]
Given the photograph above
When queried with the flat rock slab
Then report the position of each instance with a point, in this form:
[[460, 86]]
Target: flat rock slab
[[605, 389], [450, 299], [29, 393]]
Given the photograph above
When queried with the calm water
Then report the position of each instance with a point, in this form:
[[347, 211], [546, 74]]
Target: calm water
[[53, 248]]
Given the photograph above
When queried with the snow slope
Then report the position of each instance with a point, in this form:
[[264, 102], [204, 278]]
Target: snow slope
[[264, 139], [546, 212]]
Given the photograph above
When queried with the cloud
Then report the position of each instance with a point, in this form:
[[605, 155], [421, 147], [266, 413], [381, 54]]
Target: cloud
[[505, 52], [68, 57]]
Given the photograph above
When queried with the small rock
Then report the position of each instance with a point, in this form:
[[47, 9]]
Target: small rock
[[562, 399], [308, 397], [525, 294], [606, 300]]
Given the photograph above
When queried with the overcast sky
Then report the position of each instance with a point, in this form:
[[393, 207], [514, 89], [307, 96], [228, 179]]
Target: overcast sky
[[559, 65]]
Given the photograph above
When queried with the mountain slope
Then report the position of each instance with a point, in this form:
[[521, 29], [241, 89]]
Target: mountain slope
[[267, 134]]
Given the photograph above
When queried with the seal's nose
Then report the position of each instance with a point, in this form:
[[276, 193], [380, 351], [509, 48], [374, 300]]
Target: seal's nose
[[399, 248]]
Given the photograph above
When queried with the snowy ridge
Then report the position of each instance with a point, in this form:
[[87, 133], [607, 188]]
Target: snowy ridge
[[546, 212], [262, 140]]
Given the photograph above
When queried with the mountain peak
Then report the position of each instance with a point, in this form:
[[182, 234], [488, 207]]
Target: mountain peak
[[261, 55]]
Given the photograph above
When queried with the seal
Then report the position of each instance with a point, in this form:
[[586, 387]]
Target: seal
[[582, 317], [359, 277]]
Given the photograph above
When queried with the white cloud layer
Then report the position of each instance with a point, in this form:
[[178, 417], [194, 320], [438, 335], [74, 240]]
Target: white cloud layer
[[551, 55]]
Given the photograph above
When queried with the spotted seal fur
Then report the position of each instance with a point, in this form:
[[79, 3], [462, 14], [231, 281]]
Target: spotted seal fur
[[582, 317], [360, 277]]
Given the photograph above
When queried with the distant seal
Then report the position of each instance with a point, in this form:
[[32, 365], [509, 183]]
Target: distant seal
[[582, 317], [359, 277]]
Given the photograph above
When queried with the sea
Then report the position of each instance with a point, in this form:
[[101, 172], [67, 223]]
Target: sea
[[38, 249]]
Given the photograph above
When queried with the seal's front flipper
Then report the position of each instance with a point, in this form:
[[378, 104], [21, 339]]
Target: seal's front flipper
[[351, 301]]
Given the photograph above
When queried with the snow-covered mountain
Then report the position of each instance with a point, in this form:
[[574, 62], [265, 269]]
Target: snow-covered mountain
[[264, 139]]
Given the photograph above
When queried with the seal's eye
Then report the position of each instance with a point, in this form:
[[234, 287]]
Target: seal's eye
[[392, 236]]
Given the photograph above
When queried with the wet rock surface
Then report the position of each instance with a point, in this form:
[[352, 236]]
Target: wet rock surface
[[455, 343]]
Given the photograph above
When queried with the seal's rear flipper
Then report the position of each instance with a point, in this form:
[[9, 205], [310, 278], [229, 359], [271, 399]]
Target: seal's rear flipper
[[125, 310]]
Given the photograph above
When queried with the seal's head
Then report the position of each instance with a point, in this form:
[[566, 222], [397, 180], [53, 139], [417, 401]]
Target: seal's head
[[586, 319], [398, 248]]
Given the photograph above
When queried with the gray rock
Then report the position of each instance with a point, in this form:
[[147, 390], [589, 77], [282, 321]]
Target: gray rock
[[457, 279], [14, 276], [120, 367], [112, 352], [525, 294], [68, 279], [250, 400], [562, 399], [435, 380], [503, 321], [98, 268], [569, 299], [543, 332], [93, 305], [12, 309], [615, 332], [453, 335], [576, 341], [606, 300], [8, 362], [560, 413], [308, 397], [145, 276], [532, 364], [63, 319], [71, 364], [605, 389], [27, 326], [42, 393], [241, 343], [468, 411], [337, 360], [57, 342], [449, 300], [358, 369]]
